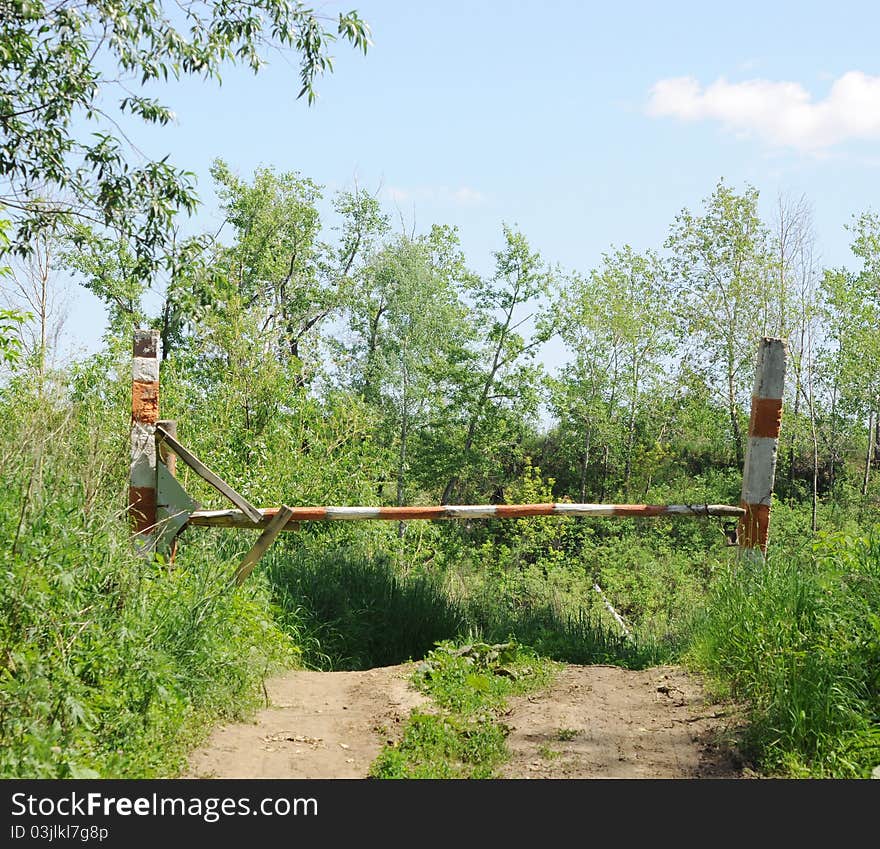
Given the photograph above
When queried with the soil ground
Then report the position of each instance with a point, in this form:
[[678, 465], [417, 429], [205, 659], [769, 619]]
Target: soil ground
[[593, 722], [607, 722]]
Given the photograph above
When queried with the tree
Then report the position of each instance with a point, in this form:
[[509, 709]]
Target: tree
[[277, 265], [35, 290], [411, 328], [853, 314], [794, 273], [798, 284], [502, 374], [578, 399], [618, 323], [109, 269], [72, 74], [721, 267]]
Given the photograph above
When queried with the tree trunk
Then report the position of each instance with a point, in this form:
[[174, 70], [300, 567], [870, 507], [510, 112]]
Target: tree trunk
[[401, 468], [630, 439], [605, 453], [869, 454], [876, 438], [165, 333], [797, 398], [448, 489], [44, 279], [369, 389], [814, 523], [631, 427], [735, 431], [832, 438], [814, 435], [585, 462]]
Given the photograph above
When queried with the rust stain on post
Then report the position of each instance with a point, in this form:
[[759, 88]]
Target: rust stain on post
[[754, 527], [306, 513], [759, 469], [145, 401], [142, 508], [766, 417]]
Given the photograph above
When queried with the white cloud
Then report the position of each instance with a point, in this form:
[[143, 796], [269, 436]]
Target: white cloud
[[466, 196], [459, 196], [781, 113], [397, 195]]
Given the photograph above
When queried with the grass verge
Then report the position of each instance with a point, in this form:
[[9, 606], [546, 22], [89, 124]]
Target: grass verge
[[464, 737], [798, 641]]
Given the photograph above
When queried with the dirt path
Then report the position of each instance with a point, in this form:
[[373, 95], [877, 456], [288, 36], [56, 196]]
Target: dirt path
[[607, 722], [594, 722], [318, 725]]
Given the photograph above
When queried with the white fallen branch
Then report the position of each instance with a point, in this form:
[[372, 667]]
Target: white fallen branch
[[617, 617]]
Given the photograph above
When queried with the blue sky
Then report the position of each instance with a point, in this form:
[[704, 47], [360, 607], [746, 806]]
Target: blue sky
[[586, 125]]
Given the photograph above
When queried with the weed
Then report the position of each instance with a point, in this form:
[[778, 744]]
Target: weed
[[564, 735], [798, 639], [547, 753]]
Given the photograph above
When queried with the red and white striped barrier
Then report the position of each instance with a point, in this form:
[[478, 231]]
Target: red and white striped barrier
[[759, 471], [176, 509], [237, 519], [144, 415]]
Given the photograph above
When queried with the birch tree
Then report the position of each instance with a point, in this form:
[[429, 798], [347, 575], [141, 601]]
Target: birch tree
[[853, 316], [618, 324], [503, 377], [721, 271], [36, 291]]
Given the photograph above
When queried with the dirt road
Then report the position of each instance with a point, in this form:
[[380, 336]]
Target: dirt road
[[594, 722]]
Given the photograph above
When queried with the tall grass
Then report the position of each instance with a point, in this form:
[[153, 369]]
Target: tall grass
[[358, 610], [109, 664], [355, 610], [573, 636], [798, 640]]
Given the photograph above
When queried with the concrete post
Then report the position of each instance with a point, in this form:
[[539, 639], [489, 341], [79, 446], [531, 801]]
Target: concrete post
[[759, 471], [144, 415]]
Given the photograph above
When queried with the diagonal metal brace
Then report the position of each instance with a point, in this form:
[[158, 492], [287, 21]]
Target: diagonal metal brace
[[207, 475], [263, 542]]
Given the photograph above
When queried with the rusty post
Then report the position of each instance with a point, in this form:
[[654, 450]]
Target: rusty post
[[144, 415], [759, 469]]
